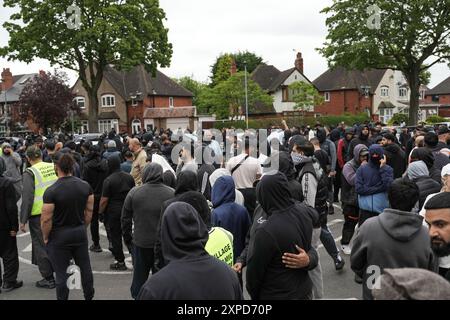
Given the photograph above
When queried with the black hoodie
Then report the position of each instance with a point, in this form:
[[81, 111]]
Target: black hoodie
[[395, 158], [287, 168], [192, 274], [95, 170], [289, 223], [8, 205], [360, 139]]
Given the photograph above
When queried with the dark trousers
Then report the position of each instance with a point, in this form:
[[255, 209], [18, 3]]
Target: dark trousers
[[249, 195], [351, 216], [94, 223], [327, 238], [364, 215], [10, 257], [143, 259], [63, 245], [39, 253], [115, 231], [337, 183]]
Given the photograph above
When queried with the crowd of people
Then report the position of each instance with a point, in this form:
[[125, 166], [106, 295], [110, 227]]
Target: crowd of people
[[196, 225]]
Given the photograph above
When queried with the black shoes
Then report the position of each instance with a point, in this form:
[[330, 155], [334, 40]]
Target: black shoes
[[10, 286], [118, 266], [46, 283], [339, 263], [95, 248]]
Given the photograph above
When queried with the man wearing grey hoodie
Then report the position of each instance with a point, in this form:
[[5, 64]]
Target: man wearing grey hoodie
[[396, 238], [143, 207]]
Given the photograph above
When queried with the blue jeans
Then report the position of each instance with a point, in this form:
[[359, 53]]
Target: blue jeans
[[143, 259]]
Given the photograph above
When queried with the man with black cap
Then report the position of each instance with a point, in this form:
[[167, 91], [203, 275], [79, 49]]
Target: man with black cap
[[36, 180], [8, 231], [437, 216], [394, 154], [444, 136]]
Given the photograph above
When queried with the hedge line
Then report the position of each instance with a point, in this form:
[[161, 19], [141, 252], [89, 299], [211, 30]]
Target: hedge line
[[293, 121]]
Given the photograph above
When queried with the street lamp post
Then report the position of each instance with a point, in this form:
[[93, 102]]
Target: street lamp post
[[6, 109], [246, 94]]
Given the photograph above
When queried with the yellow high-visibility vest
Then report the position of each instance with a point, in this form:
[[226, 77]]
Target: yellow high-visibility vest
[[44, 177], [220, 245]]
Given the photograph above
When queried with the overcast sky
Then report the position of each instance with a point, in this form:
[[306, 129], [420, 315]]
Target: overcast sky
[[202, 29]]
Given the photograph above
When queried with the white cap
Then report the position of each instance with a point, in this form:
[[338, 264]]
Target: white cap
[[445, 171]]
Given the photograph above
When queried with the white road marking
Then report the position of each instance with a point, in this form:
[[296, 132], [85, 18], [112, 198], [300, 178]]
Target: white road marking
[[335, 221], [22, 235], [27, 248]]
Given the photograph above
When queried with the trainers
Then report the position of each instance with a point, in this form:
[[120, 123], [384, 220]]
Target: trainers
[[119, 266], [9, 286], [339, 263], [346, 249], [95, 248], [46, 283]]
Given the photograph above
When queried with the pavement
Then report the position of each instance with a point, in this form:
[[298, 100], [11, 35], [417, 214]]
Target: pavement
[[115, 285]]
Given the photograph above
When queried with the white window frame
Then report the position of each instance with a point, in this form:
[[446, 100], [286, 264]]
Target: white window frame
[[401, 90], [327, 96], [136, 126], [171, 101], [105, 125], [2, 129], [422, 94], [79, 100], [134, 102], [108, 101], [385, 91], [84, 126]]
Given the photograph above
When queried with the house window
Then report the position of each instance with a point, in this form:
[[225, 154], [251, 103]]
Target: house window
[[171, 102], [84, 126], [108, 101], [422, 94], [2, 129], [435, 98], [136, 126], [385, 91], [107, 125], [327, 96], [285, 93], [402, 92], [80, 102], [386, 115], [134, 103]]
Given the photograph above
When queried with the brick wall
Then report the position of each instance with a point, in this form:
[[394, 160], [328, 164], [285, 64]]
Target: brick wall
[[344, 101]]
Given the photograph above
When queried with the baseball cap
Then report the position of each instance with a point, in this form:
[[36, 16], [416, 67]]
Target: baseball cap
[[445, 171]]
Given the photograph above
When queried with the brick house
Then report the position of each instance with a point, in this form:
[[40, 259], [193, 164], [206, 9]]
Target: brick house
[[276, 84], [437, 100], [130, 101], [11, 89]]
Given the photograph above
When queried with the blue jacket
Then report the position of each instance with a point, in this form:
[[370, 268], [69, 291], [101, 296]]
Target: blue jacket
[[370, 178], [228, 214]]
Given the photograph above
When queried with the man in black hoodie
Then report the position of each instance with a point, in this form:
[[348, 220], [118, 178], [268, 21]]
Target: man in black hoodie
[[289, 226], [9, 225], [394, 154], [396, 238], [362, 138], [203, 277], [115, 190], [143, 208], [95, 171]]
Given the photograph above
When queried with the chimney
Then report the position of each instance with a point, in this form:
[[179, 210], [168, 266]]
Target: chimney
[[299, 62], [233, 68], [7, 79]]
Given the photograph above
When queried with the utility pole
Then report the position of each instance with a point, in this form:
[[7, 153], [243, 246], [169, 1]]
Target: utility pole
[[246, 95]]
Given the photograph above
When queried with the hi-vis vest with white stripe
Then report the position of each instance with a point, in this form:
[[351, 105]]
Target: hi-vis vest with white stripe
[[44, 177]]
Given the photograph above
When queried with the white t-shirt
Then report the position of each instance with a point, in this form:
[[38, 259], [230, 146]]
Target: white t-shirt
[[246, 174]]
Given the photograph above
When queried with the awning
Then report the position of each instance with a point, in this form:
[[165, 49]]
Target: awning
[[386, 105]]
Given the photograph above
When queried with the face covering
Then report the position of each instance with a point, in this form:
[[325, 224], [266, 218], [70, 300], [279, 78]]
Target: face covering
[[297, 158]]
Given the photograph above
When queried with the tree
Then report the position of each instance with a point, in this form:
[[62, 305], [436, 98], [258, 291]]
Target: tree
[[48, 100], [110, 32], [196, 88], [305, 95], [403, 35], [220, 71], [227, 99]]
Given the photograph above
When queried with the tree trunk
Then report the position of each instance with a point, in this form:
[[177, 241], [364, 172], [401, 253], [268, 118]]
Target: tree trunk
[[93, 111], [414, 86]]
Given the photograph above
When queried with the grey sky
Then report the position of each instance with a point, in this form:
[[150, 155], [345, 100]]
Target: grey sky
[[202, 29]]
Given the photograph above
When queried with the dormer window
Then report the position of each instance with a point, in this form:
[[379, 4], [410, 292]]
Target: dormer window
[[108, 101]]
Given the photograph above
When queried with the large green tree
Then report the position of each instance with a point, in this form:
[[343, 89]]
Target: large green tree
[[220, 70], [406, 35], [109, 32], [227, 99], [197, 88], [305, 95]]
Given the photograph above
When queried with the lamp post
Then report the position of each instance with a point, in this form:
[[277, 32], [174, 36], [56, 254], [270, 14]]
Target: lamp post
[[6, 108], [246, 94]]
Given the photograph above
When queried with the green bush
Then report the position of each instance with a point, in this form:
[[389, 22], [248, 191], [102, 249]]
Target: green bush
[[293, 121], [399, 118], [435, 119]]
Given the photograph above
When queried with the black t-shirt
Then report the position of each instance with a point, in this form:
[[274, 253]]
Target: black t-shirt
[[69, 195], [116, 188]]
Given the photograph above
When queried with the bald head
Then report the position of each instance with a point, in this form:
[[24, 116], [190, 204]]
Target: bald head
[[134, 145]]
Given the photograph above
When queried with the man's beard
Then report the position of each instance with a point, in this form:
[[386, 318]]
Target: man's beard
[[441, 248]]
